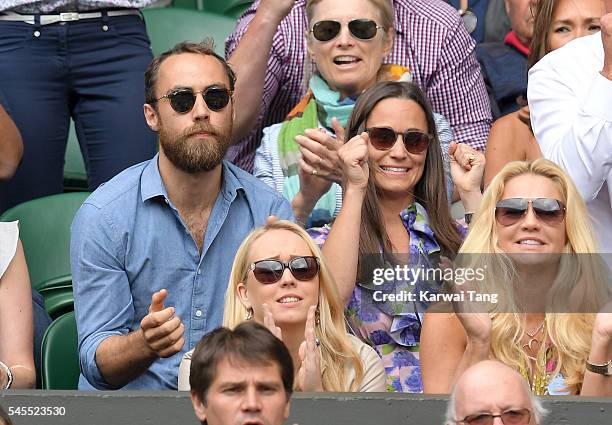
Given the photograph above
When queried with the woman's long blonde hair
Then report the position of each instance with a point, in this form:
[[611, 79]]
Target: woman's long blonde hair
[[577, 287], [337, 351]]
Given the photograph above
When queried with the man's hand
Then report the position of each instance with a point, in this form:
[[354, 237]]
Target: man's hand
[[606, 38], [162, 330]]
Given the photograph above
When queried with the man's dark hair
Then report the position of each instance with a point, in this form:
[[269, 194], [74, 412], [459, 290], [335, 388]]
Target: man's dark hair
[[206, 47], [249, 342]]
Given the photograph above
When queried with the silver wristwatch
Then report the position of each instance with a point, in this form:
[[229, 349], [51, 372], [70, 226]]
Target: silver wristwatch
[[602, 369]]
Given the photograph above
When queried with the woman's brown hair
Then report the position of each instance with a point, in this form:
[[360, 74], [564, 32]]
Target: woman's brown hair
[[543, 16], [430, 191]]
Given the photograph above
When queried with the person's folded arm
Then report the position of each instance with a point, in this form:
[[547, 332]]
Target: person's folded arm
[[573, 131]]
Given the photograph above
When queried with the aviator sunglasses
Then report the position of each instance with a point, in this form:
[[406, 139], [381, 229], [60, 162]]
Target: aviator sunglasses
[[271, 271], [384, 138], [509, 417], [182, 100], [363, 29], [512, 210]]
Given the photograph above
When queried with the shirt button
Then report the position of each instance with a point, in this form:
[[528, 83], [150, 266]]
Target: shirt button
[[199, 272], [104, 27], [36, 33], [198, 313]]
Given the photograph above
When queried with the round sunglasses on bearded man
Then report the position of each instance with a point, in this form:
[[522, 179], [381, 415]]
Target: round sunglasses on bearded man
[[533, 234], [348, 47], [395, 207], [280, 279]]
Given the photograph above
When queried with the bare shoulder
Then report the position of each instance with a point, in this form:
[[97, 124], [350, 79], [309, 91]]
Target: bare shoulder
[[508, 129]]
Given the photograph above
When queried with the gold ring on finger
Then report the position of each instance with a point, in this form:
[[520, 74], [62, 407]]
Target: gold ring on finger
[[314, 172]]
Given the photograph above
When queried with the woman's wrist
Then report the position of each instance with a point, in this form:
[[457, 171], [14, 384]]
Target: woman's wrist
[[479, 346], [470, 200], [601, 347], [352, 191], [302, 208]]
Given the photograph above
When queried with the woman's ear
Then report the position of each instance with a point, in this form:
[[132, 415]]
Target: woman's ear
[[389, 40], [243, 295], [308, 45]]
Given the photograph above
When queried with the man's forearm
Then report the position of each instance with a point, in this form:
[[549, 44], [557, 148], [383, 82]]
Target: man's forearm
[[250, 62], [122, 359]]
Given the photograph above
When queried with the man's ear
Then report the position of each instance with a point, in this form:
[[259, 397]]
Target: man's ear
[[151, 116], [243, 294], [198, 407]]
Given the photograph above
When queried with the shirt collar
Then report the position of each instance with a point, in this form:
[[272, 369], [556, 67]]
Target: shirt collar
[[416, 220], [152, 185]]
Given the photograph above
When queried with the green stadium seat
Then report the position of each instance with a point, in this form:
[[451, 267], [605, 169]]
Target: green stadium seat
[[59, 300], [44, 230], [230, 8], [169, 26], [186, 4], [60, 358], [75, 176]]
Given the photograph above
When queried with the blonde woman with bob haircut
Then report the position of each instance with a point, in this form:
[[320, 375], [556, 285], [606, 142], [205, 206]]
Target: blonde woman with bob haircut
[[279, 279], [529, 215]]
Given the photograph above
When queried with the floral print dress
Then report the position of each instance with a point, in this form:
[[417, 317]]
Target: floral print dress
[[393, 328]]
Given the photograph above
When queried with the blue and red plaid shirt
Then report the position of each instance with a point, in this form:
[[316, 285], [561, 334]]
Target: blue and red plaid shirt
[[431, 41]]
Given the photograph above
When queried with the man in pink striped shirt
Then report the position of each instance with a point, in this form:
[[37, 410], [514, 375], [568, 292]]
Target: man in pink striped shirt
[[267, 50]]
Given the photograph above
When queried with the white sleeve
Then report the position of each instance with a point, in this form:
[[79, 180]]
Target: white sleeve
[[9, 235], [263, 166], [184, 369], [573, 124]]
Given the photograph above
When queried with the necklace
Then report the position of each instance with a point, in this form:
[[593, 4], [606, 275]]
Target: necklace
[[541, 377], [533, 339], [539, 382]]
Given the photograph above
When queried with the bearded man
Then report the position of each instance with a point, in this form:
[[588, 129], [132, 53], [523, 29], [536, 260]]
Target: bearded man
[[152, 249]]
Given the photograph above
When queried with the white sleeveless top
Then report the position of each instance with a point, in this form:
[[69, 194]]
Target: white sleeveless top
[[9, 235]]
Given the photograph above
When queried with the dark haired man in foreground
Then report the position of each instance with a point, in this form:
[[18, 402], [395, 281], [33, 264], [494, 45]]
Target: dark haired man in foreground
[[241, 376]]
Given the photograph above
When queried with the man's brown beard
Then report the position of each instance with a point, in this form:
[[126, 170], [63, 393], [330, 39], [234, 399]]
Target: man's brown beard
[[193, 156]]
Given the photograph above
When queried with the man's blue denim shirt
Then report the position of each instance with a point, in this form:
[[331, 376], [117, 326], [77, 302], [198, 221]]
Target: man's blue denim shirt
[[128, 241]]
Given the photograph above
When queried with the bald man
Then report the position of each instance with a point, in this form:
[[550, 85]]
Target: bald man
[[491, 393]]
